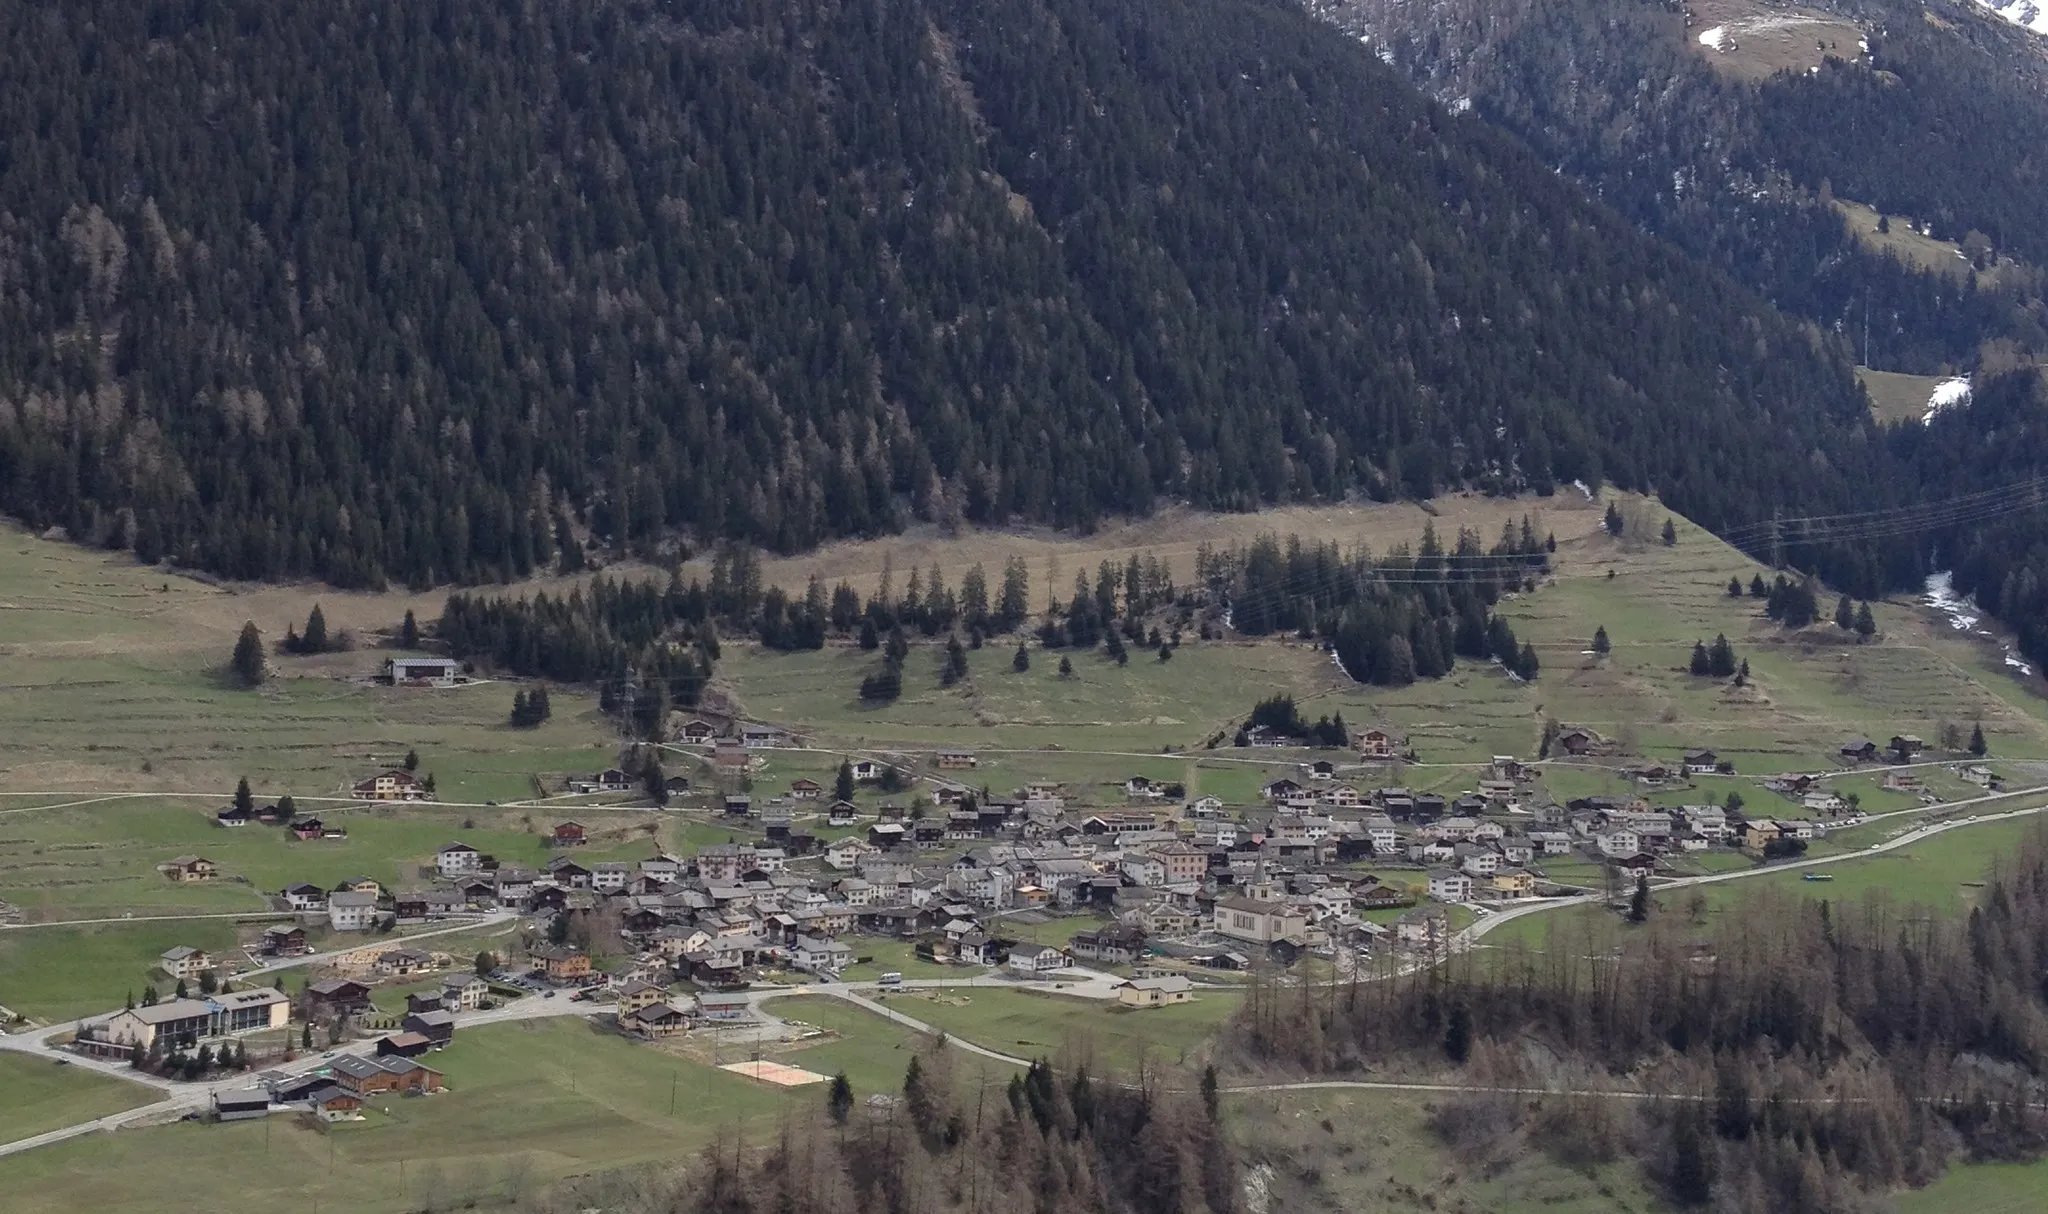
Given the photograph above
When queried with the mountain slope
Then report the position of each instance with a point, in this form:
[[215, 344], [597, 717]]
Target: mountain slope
[[421, 290], [1940, 121]]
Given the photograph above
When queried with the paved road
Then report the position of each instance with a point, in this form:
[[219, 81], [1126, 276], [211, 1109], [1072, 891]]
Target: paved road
[[1916, 835]]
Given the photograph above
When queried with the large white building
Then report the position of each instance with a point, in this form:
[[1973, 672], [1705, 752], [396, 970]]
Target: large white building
[[178, 1022]]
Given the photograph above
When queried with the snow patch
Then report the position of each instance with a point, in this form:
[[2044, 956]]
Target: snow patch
[[1947, 395], [1714, 39], [1581, 487], [2027, 14], [1386, 54], [1462, 105]]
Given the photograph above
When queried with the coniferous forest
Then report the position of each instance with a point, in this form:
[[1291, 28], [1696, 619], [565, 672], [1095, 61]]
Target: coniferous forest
[[429, 292]]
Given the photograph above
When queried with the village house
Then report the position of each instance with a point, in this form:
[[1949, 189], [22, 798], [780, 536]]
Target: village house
[[352, 911], [464, 994], [392, 784], [697, 733], [1905, 746], [1448, 885], [284, 940], [655, 1020], [636, 995], [423, 672], [458, 858], [1425, 928], [723, 1005], [562, 963], [184, 961], [730, 758], [1375, 744], [1618, 843], [1154, 992], [189, 868], [955, 760], [1550, 842], [436, 1025], [609, 876], [1859, 750], [178, 1023], [1114, 944], [804, 788], [866, 771], [402, 962], [820, 954], [567, 834], [1038, 961], [337, 996], [1513, 883], [1576, 742], [1700, 763], [233, 816], [1758, 833], [722, 863]]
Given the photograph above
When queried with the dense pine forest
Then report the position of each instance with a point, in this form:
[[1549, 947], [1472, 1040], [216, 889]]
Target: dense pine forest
[[1940, 123], [1812, 1054], [436, 291]]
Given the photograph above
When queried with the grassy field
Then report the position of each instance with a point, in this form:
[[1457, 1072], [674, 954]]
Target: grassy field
[[528, 1103], [871, 1051], [1907, 243], [43, 1096], [1981, 1188], [1103, 1036], [62, 973], [100, 860]]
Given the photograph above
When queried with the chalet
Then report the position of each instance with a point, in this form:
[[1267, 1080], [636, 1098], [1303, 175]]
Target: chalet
[[655, 1020], [676, 786], [423, 672], [755, 737], [402, 962], [1143, 786], [1699, 762], [284, 940], [1903, 781], [184, 961], [955, 760], [1640, 863], [820, 954], [1154, 992], [842, 813], [737, 805], [1374, 894], [886, 835], [393, 784], [337, 996], [805, 789], [1514, 883], [1576, 742], [611, 779], [1205, 807], [234, 815], [1321, 769], [567, 834], [1280, 790], [1111, 945], [458, 858], [1550, 842], [866, 771], [1978, 774], [464, 994], [306, 829], [1759, 833], [1905, 746], [729, 758], [562, 963], [189, 868], [436, 1026], [697, 733], [846, 853], [1375, 744], [1859, 750]]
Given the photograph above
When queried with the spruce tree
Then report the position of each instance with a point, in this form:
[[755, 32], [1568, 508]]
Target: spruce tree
[[314, 638], [1458, 1034], [655, 782], [1734, 587], [1526, 665], [245, 800], [1845, 613], [1865, 624], [1977, 746], [1613, 520], [869, 639], [842, 784], [412, 760], [1700, 662], [1066, 667], [1639, 902], [1600, 642], [287, 809], [839, 1101], [1670, 536], [1021, 660], [1721, 658], [409, 632], [1757, 588], [247, 664]]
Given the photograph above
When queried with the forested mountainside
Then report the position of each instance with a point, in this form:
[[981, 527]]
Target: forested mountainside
[[424, 289], [1941, 121]]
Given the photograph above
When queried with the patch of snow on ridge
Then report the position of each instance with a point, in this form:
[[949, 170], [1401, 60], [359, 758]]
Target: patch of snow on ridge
[[1946, 395], [2027, 14], [1714, 38]]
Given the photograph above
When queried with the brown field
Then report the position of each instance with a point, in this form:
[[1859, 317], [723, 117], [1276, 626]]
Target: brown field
[[1172, 536], [1895, 397], [1766, 38]]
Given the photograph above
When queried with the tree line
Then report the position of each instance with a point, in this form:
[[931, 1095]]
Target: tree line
[[1813, 1052]]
